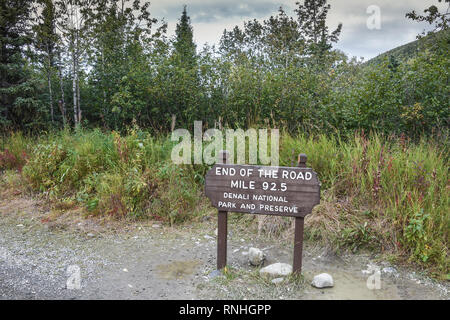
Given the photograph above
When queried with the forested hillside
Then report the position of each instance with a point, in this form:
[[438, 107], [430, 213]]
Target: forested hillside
[[412, 49]]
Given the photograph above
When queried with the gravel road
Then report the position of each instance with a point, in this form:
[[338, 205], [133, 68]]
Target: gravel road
[[39, 260]]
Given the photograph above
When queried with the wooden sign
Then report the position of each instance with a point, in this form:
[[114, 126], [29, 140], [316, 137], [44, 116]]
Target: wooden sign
[[282, 191]]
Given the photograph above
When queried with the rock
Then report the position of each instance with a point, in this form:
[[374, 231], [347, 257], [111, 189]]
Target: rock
[[323, 280], [389, 270], [277, 280], [276, 270], [205, 218], [255, 256], [214, 274]]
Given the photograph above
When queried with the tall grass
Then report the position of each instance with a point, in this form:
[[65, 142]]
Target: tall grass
[[110, 174], [402, 185], [14, 150], [381, 192]]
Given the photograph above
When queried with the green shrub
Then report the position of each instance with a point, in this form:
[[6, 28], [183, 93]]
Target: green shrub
[[404, 184], [114, 175]]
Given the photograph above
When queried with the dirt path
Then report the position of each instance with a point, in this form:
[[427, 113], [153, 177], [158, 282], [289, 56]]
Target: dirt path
[[150, 261]]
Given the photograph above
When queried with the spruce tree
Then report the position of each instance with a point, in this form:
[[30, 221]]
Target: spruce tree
[[45, 41], [312, 17], [184, 45], [15, 101]]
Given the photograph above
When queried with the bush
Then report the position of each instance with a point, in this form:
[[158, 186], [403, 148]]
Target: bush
[[114, 175], [403, 185]]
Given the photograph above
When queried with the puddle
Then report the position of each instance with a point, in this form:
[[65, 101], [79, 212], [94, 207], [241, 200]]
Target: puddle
[[351, 287], [177, 269]]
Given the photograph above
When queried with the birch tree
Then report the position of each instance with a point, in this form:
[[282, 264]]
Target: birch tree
[[73, 26]]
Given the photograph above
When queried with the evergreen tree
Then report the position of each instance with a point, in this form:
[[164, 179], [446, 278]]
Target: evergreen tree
[[16, 101], [45, 40], [312, 17], [182, 77], [184, 45]]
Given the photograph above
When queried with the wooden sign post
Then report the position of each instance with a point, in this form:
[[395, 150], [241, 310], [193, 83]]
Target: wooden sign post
[[282, 191]]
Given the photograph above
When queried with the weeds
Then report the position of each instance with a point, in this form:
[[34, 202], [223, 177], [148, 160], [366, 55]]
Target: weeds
[[378, 192]]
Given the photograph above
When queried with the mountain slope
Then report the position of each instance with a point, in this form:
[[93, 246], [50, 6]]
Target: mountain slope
[[409, 50]]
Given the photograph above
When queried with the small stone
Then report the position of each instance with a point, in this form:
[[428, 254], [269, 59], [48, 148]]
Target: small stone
[[255, 256], [90, 235], [276, 270], [323, 280], [214, 274], [389, 270], [206, 236], [205, 218], [277, 280]]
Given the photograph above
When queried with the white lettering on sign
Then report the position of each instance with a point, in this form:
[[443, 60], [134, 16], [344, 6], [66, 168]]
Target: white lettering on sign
[[296, 175], [240, 184], [274, 208], [284, 191], [228, 205], [221, 171], [239, 196]]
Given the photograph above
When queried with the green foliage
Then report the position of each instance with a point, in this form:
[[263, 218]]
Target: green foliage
[[184, 45], [18, 104], [280, 72], [390, 193], [403, 184], [113, 175]]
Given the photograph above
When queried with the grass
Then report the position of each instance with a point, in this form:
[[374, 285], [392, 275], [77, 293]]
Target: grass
[[383, 193]]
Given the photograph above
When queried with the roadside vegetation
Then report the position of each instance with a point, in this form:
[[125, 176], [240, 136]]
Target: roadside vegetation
[[383, 193]]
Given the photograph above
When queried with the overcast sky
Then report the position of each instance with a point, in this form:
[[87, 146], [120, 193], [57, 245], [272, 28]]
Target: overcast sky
[[210, 17]]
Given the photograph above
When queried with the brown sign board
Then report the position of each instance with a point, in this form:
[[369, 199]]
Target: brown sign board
[[282, 191]]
